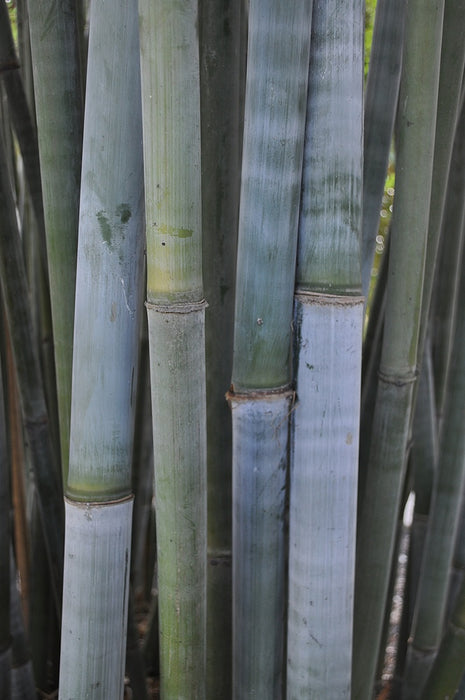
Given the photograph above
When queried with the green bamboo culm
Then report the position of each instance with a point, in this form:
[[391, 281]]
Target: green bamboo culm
[[444, 310], [446, 678], [23, 685], [260, 397], [328, 327], [107, 313], [381, 96], [450, 98], [397, 375], [176, 320], [5, 535], [22, 122], [30, 386], [443, 523], [221, 77], [59, 111]]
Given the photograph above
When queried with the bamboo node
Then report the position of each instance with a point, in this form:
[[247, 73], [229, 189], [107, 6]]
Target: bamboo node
[[246, 395], [398, 379], [328, 299], [184, 308]]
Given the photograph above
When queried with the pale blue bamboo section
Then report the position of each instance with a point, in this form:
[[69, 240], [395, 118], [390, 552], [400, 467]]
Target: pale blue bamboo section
[[95, 613], [260, 429], [323, 497]]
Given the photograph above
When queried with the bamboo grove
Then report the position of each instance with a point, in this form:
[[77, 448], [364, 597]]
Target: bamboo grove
[[232, 386]]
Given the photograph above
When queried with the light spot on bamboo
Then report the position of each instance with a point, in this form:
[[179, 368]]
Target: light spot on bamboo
[[177, 232], [349, 439]]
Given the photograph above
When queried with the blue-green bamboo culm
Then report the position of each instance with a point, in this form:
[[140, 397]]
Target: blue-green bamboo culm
[[106, 332], [261, 397], [328, 324]]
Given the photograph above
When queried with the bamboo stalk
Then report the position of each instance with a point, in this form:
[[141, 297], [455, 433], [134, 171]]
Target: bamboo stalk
[[260, 397], [220, 80], [328, 324], [450, 98], [176, 319], [392, 415], [444, 311], [22, 678], [380, 110], [447, 672], [5, 539], [107, 315], [57, 88], [444, 518], [15, 293], [22, 119]]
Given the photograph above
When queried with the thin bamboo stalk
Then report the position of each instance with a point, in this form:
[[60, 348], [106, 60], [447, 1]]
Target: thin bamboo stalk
[[448, 669], [107, 315], [176, 319], [18, 485], [220, 81], [448, 111], [423, 463], [328, 324], [444, 518], [274, 125], [22, 119], [57, 88], [444, 311], [392, 415], [5, 539], [15, 293], [22, 679], [380, 110]]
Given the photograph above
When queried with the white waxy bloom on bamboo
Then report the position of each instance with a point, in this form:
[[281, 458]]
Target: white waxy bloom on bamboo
[[328, 326], [107, 313], [176, 319]]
